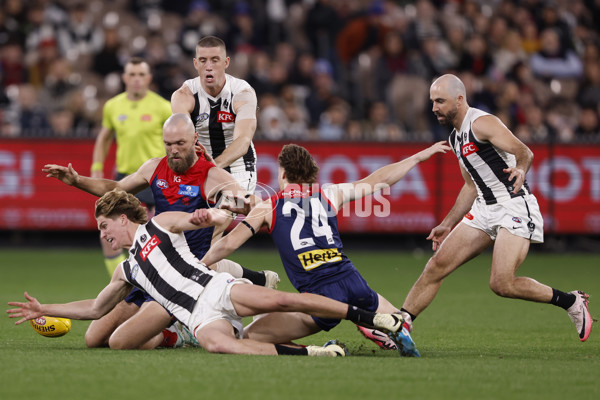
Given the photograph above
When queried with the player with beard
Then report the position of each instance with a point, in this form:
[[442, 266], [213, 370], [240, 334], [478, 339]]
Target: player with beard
[[494, 207], [180, 181]]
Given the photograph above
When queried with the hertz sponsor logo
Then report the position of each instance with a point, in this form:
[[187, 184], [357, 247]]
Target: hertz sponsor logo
[[314, 258]]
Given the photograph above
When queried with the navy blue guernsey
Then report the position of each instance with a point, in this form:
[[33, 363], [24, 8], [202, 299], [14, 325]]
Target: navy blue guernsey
[[305, 231], [183, 192]]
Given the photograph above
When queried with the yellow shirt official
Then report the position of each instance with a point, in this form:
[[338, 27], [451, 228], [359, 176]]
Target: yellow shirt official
[[138, 128]]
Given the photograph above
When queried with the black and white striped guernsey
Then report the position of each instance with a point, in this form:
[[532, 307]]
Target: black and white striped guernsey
[[161, 263], [484, 162], [214, 120]]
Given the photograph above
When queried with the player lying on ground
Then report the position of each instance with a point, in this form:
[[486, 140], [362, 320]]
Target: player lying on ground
[[183, 180], [302, 219], [209, 303]]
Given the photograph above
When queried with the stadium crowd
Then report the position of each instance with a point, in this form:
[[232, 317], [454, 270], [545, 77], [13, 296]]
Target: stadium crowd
[[322, 69]]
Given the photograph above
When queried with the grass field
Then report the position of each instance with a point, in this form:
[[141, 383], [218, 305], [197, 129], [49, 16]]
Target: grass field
[[474, 345]]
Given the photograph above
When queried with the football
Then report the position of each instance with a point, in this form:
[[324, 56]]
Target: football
[[51, 326]]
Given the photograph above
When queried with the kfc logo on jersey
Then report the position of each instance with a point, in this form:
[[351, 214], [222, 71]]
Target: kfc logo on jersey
[[469, 216], [224, 116], [162, 184], [152, 243], [469, 149], [177, 179]]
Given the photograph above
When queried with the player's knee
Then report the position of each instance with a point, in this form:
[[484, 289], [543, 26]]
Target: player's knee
[[501, 287], [214, 346], [93, 340], [435, 269], [118, 342], [286, 301]]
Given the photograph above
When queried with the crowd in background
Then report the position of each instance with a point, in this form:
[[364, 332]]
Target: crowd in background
[[322, 69]]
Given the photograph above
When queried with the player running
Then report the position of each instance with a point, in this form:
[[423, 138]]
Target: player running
[[494, 207]]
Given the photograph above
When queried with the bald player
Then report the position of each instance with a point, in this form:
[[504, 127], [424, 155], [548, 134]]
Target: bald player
[[494, 208], [181, 181]]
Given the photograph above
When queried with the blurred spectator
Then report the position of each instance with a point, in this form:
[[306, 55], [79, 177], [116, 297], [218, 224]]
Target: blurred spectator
[[379, 127], [244, 34], [392, 61], [530, 40], [589, 88], [588, 128], [272, 121], [435, 58], [476, 59], [332, 123], [510, 53], [302, 73], [323, 91], [58, 83], [9, 30], [553, 60], [80, 36], [32, 116], [108, 59], [425, 25], [361, 34], [199, 22], [535, 129], [62, 123], [287, 48], [12, 66], [322, 26], [297, 122], [45, 57]]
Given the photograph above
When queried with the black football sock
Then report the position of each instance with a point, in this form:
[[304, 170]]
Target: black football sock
[[258, 278], [562, 299], [360, 316], [291, 351], [412, 316]]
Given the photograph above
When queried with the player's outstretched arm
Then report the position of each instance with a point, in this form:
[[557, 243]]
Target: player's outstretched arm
[[178, 221], [107, 299], [97, 186], [68, 175], [386, 176], [256, 219]]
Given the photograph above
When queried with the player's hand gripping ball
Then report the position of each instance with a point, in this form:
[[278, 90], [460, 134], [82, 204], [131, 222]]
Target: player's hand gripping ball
[[51, 326]]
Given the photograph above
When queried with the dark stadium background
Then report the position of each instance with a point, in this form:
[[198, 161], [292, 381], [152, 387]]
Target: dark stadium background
[[329, 74]]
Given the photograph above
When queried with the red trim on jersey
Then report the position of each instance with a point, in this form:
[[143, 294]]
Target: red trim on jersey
[[274, 199], [202, 191]]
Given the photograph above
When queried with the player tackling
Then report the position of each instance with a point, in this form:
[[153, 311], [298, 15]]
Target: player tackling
[[209, 303]]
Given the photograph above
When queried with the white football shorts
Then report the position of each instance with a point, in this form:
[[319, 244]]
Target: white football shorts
[[215, 303], [246, 179], [521, 216]]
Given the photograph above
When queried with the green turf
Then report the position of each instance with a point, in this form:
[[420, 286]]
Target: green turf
[[474, 344]]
